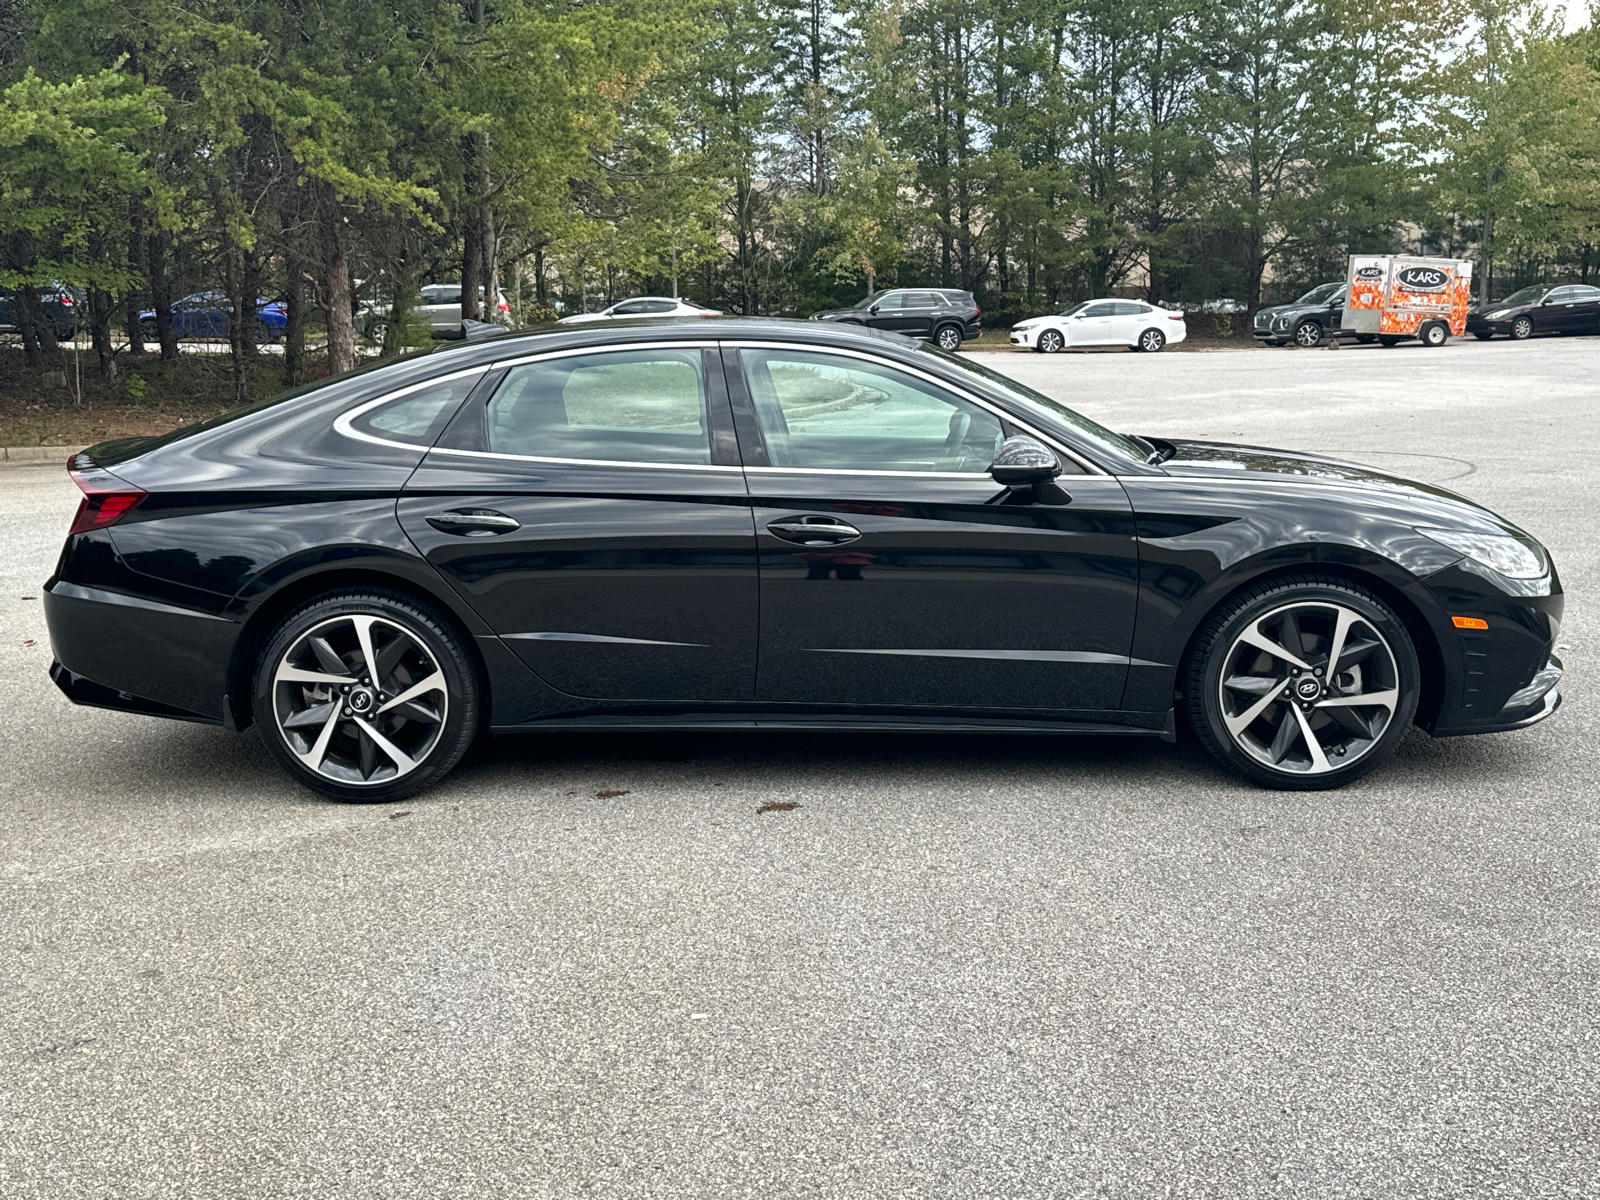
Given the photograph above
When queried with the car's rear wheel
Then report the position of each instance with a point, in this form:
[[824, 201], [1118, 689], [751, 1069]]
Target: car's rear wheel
[[1151, 341], [1434, 333], [1522, 329], [1482, 336], [1308, 334], [1366, 339], [366, 695], [947, 337], [1050, 342], [1305, 682], [149, 331]]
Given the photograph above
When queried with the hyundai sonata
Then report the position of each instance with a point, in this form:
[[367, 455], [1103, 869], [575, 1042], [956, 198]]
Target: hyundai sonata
[[773, 525]]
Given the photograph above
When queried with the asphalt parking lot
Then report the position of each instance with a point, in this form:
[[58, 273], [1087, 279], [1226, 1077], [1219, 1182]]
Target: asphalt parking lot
[[587, 966]]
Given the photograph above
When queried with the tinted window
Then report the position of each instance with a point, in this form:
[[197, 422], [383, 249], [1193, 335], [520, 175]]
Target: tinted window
[[1320, 295], [1586, 293], [924, 300], [628, 406], [1127, 308], [445, 296], [828, 411], [1528, 295], [632, 308], [419, 415], [1563, 295], [1100, 310], [891, 300], [1047, 411]]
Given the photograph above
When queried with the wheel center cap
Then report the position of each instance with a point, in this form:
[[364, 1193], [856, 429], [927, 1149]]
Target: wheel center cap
[[361, 700], [1308, 688]]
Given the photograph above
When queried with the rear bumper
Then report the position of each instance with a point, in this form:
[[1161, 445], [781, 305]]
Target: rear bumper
[[134, 654]]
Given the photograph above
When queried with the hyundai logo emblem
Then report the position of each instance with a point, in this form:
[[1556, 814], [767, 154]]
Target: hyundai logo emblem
[[1308, 688]]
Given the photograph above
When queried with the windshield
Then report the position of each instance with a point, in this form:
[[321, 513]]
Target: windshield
[[1067, 312], [1527, 295], [1051, 410], [870, 300], [1320, 295]]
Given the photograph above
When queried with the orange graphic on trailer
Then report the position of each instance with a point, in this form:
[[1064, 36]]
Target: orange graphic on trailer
[[1397, 295], [1369, 278]]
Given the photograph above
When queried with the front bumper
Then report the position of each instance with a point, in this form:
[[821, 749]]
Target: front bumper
[[1024, 337]]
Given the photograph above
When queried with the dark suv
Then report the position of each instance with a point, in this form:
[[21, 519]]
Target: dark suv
[[60, 303], [1307, 321], [940, 315]]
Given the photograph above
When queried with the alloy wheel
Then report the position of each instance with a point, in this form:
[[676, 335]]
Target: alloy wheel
[[1050, 342], [360, 700], [1152, 340], [949, 338], [1309, 688], [1308, 334], [1522, 328]]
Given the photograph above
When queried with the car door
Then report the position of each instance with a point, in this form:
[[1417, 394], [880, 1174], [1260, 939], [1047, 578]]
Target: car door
[[1585, 309], [916, 314], [893, 574], [1127, 319], [1092, 327], [885, 314], [1563, 310], [590, 507], [1336, 309]]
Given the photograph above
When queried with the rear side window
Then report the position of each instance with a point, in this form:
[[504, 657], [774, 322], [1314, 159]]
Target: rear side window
[[645, 406], [418, 414], [1128, 308]]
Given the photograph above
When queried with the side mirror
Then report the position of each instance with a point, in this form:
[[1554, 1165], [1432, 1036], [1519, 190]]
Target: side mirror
[[873, 310], [1024, 462]]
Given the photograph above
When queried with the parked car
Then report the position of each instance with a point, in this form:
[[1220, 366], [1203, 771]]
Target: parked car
[[1563, 308], [642, 307], [944, 316], [1131, 323], [608, 527], [1308, 321], [60, 303], [440, 306], [205, 315]]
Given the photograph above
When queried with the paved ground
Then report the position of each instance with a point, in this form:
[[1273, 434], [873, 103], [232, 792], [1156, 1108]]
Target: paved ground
[[984, 968]]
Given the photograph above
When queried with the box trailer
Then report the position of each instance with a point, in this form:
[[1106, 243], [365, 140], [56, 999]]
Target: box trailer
[[1399, 296]]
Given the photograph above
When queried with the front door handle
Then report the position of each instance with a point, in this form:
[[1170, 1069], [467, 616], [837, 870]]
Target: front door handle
[[472, 522], [813, 531]]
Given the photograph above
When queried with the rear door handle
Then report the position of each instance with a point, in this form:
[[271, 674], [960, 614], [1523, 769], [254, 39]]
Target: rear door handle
[[472, 522], [813, 531]]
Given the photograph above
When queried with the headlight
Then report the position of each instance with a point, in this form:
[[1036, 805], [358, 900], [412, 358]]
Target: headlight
[[1499, 315], [1500, 552]]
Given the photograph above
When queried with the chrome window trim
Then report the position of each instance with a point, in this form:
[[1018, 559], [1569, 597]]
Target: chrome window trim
[[341, 423]]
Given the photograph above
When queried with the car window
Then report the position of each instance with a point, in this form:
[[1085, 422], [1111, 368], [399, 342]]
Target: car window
[[924, 300], [831, 412], [891, 300], [418, 416], [644, 406], [632, 308], [660, 306], [1322, 294], [1527, 295], [1562, 295], [1586, 293], [1127, 308], [1100, 310]]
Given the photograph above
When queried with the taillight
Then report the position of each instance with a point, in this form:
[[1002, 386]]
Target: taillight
[[503, 307], [101, 507], [66, 301], [1174, 316]]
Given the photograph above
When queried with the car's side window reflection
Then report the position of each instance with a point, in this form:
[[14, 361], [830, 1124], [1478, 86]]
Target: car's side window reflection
[[643, 406], [417, 417], [831, 412]]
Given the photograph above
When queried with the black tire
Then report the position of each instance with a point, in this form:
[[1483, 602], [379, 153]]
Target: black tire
[[1261, 611], [1482, 336], [1522, 329], [1434, 334], [1389, 340], [376, 331], [150, 331], [1308, 334], [1366, 339], [431, 732], [1150, 341], [1050, 342], [947, 337]]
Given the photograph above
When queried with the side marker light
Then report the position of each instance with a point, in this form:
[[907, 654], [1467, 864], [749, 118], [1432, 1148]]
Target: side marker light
[[1469, 622]]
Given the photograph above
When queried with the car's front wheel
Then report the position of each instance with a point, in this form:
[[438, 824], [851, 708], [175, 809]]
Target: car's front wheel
[[1151, 341], [1050, 342], [947, 337], [1304, 682], [1308, 334], [366, 695], [1522, 329]]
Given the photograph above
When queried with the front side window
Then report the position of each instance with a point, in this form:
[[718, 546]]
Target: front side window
[[829, 412], [1100, 310], [891, 300], [631, 309], [645, 406], [417, 416]]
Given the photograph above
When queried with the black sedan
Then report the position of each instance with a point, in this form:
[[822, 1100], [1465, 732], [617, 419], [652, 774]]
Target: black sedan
[[1568, 308], [773, 525], [944, 316]]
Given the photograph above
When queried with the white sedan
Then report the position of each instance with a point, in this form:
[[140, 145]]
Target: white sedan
[[642, 306], [1131, 323]]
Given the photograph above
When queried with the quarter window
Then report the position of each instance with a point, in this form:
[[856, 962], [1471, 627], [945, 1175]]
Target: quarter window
[[644, 406], [417, 417], [829, 412]]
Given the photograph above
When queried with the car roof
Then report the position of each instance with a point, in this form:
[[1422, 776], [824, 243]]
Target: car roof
[[628, 329]]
